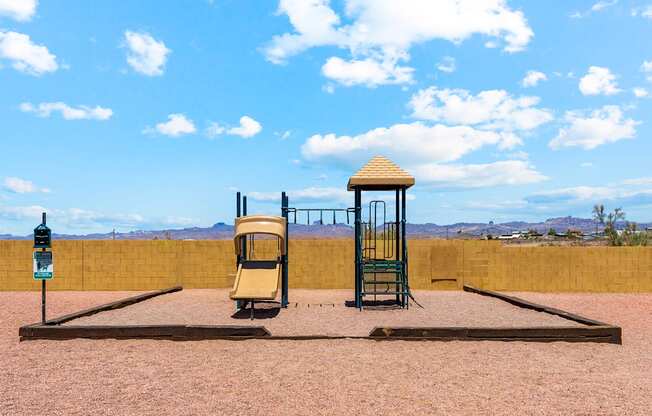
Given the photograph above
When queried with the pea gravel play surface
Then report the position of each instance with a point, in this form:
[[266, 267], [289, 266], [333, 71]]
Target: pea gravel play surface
[[323, 312], [334, 377]]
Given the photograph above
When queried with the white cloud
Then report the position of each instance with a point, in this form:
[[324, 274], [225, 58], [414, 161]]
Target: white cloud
[[368, 72], [645, 11], [507, 172], [20, 10], [328, 88], [86, 220], [81, 112], [447, 64], [521, 155], [493, 109], [594, 194], [283, 135], [146, 54], [596, 7], [640, 92], [307, 195], [177, 125], [646, 67], [602, 126], [248, 128], [603, 4], [339, 196], [586, 165], [532, 78], [407, 144], [638, 181], [22, 186], [598, 80], [379, 33], [25, 55], [578, 193]]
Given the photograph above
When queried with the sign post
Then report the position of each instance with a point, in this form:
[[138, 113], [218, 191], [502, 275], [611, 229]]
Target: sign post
[[42, 260]]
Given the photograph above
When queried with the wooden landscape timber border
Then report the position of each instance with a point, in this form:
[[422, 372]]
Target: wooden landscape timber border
[[53, 329], [168, 332], [593, 331], [118, 304]]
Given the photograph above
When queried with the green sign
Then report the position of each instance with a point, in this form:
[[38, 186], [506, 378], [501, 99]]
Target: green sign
[[43, 265]]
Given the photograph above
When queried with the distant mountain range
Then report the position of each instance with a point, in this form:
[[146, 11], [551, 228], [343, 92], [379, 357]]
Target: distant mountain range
[[222, 231]]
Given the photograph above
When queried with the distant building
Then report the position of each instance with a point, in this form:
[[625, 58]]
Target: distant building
[[515, 235]]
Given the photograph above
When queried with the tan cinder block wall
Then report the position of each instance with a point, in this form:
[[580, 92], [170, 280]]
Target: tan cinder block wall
[[328, 264]]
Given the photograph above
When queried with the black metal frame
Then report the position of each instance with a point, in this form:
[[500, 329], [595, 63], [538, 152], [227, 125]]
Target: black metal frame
[[365, 233]]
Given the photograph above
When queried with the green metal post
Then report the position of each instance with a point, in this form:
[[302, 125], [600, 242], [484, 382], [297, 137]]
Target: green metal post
[[245, 255], [358, 249], [404, 248], [397, 239], [284, 258]]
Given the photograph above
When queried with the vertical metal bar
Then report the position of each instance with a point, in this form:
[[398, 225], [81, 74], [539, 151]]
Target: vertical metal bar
[[284, 258], [238, 257], [244, 240], [397, 235], [43, 284], [237, 215], [404, 249], [43, 300], [358, 249]]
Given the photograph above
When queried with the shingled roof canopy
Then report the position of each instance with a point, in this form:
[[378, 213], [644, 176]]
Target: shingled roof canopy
[[380, 174]]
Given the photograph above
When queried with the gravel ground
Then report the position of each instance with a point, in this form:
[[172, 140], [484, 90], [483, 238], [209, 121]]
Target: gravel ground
[[323, 312], [330, 377]]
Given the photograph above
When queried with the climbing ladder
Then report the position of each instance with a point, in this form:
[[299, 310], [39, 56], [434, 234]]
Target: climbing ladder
[[383, 272]]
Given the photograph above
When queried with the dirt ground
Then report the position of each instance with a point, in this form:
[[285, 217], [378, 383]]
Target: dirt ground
[[323, 312], [329, 377]]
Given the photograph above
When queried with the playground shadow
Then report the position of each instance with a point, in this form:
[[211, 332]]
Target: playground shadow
[[263, 310], [380, 305]]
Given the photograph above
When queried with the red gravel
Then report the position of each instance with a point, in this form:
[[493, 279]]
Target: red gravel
[[144, 377], [323, 312]]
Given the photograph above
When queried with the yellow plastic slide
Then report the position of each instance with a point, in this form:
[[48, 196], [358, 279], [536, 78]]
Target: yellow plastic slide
[[256, 280]]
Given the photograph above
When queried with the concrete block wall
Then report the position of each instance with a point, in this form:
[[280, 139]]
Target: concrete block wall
[[328, 264]]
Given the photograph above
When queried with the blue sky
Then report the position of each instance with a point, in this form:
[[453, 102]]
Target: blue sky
[[150, 114]]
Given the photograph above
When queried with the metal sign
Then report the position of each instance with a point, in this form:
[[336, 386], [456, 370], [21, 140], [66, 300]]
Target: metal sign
[[43, 265]]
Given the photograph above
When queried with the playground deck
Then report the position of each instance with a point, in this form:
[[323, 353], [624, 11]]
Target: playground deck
[[324, 313]]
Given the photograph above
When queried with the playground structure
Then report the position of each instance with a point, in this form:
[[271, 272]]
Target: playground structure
[[381, 258], [258, 279], [381, 270]]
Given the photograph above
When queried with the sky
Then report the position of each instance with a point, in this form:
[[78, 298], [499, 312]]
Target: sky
[[151, 114]]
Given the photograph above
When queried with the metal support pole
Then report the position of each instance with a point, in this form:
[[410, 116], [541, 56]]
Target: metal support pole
[[238, 257], [43, 302], [43, 284], [237, 215], [404, 248], [244, 240], [358, 249], [284, 258], [397, 237]]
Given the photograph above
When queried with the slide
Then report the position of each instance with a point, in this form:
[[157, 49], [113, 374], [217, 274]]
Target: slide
[[256, 280]]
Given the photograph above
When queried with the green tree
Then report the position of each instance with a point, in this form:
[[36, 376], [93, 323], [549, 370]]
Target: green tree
[[552, 232], [633, 237], [598, 215], [610, 226]]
